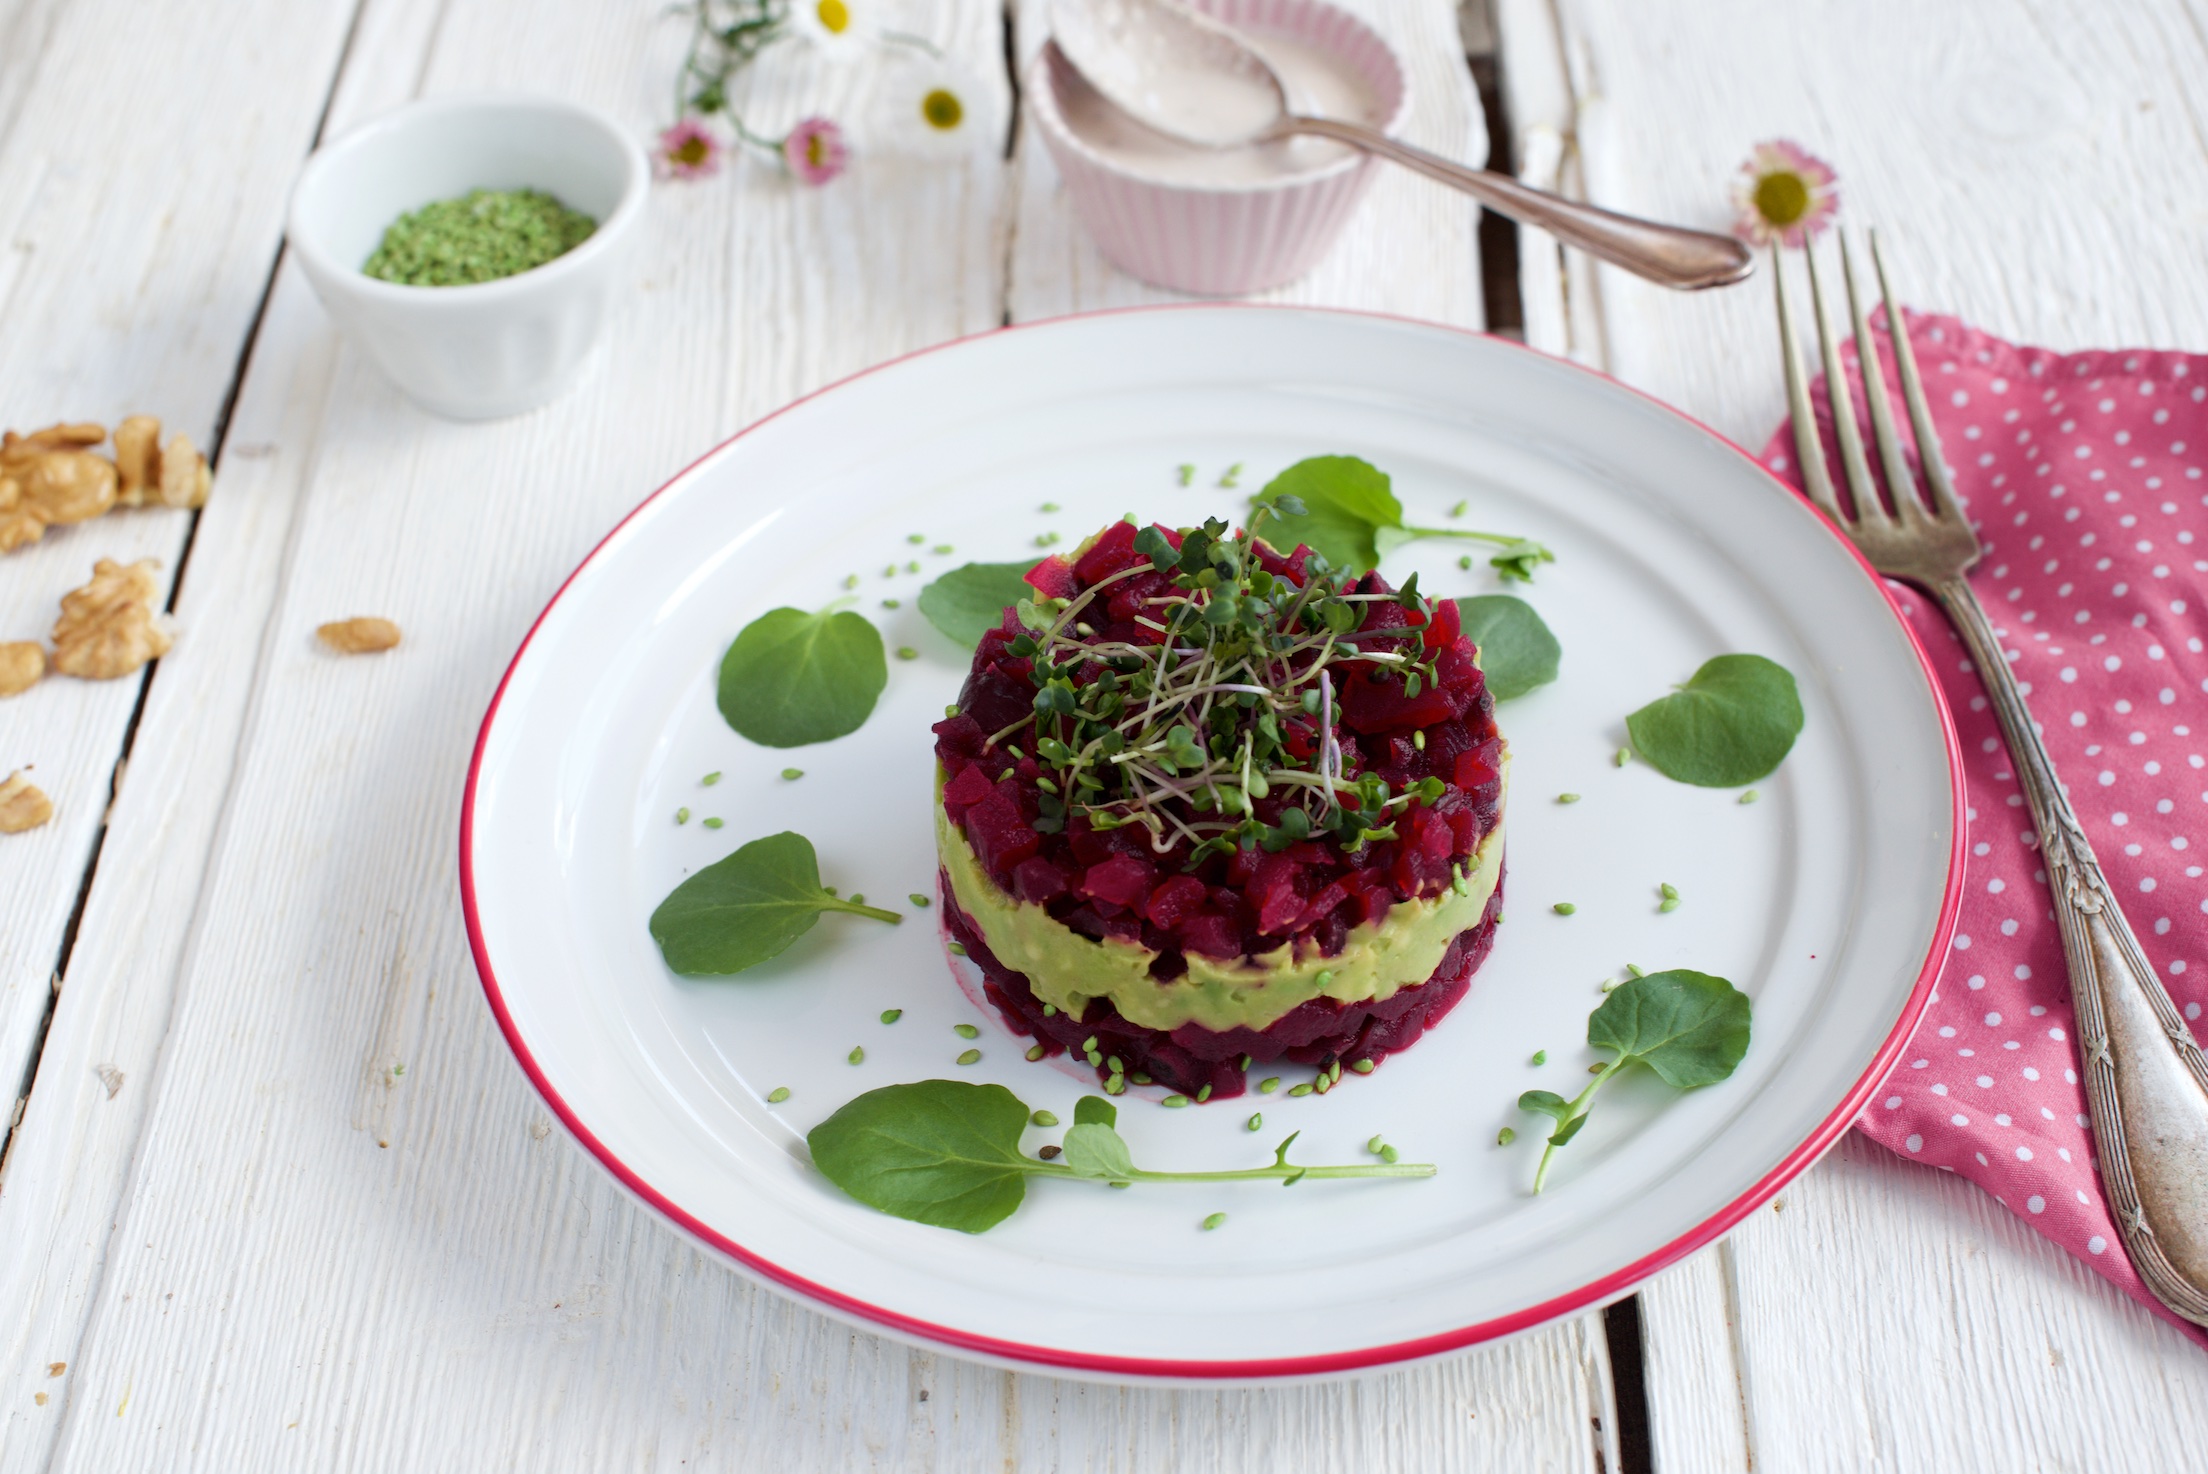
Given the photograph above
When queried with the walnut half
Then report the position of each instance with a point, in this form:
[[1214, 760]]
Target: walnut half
[[109, 627], [359, 636], [22, 662], [22, 805]]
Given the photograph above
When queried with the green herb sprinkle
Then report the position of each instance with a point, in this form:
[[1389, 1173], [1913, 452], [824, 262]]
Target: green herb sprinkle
[[483, 236]]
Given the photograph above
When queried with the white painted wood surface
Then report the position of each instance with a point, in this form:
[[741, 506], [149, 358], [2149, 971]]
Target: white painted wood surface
[[133, 256], [268, 1249], [318, 1261], [2031, 164]]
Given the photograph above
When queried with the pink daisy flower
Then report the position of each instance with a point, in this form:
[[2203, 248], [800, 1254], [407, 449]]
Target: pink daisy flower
[[1784, 193], [815, 151], [688, 151]]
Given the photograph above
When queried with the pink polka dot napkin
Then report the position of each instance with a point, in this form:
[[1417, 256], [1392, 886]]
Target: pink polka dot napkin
[[2083, 474]]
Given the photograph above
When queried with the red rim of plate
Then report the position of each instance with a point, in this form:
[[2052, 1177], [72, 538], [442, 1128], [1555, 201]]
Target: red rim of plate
[[1596, 1292]]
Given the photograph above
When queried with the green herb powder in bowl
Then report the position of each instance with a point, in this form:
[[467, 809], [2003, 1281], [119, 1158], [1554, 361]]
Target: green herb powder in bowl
[[483, 236]]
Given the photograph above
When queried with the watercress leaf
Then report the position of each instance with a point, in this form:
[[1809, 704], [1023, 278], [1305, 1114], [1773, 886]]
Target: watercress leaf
[[791, 677], [941, 1152], [967, 602], [1569, 1129], [1096, 1150], [1345, 501], [1545, 1102], [1095, 1110], [1689, 1027], [1517, 651], [1732, 724], [744, 908]]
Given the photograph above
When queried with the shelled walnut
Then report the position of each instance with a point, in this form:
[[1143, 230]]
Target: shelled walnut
[[51, 477], [359, 636], [22, 662], [22, 805], [110, 627]]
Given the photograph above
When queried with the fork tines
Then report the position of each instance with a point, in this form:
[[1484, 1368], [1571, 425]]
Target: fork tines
[[1869, 514]]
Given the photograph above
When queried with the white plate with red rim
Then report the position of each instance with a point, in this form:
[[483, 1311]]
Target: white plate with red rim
[[1829, 901]]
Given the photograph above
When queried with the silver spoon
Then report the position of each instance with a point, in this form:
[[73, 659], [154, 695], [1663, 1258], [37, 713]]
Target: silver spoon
[[1195, 81]]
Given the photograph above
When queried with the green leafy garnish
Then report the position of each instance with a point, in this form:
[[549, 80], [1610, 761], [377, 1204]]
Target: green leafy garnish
[[1344, 508], [791, 678], [739, 911], [947, 1153], [967, 602], [1732, 724], [1689, 1027], [1517, 651]]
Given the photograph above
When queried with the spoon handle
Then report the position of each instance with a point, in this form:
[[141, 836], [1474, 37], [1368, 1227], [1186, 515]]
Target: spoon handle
[[1666, 254]]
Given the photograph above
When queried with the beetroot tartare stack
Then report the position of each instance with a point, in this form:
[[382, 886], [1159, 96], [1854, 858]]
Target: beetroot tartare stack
[[1204, 806]]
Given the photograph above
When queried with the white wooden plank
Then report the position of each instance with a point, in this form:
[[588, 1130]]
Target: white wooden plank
[[130, 273], [68, 1161], [2014, 152]]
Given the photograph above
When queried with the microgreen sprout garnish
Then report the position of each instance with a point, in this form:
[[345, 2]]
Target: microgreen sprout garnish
[[1668, 897], [919, 900], [1689, 1027], [857, 1056], [947, 1153], [1213, 1221], [1567, 798], [1256, 1122], [1564, 908], [1234, 704], [711, 823], [779, 1094], [958, 949], [1035, 1052], [1625, 755], [966, 1031], [682, 816], [1347, 511], [916, 538], [710, 779], [891, 1015], [893, 603], [1232, 478], [1748, 797], [1049, 506], [1188, 473], [1540, 1056], [1043, 1118], [1505, 1136], [742, 910], [1268, 1085], [970, 1057]]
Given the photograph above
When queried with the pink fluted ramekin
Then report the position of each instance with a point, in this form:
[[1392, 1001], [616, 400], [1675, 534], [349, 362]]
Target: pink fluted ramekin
[[1226, 240]]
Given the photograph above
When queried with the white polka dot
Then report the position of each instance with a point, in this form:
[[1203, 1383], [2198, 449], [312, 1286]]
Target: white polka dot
[[1958, 1119], [1992, 1019], [2023, 970], [1893, 1102], [1985, 1082], [2097, 1244], [1914, 1142], [2030, 1073], [2023, 1154], [2036, 1203]]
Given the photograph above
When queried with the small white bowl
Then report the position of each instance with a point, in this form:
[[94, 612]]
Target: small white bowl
[[1226, 239], [498, 347]]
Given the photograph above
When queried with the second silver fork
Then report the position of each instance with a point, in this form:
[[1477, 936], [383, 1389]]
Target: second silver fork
[[2146, 1081]]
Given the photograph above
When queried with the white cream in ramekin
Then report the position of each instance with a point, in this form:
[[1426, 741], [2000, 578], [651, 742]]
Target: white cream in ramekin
[[1228, 222]]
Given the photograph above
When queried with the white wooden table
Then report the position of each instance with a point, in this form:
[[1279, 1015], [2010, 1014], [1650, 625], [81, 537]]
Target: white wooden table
[[235, 1235]]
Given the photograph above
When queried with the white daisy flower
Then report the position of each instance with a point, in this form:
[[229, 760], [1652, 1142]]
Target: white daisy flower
[[929, 106], [838, 27]]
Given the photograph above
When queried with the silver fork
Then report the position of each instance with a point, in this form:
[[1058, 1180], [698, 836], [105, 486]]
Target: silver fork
[[2146, 1080]]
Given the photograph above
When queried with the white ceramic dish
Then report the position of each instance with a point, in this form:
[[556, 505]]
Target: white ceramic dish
[[499, 347], [1830, 901]]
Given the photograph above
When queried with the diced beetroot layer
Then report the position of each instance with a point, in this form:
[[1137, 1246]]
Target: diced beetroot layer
[[1110, 883], [1190, 1058]]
